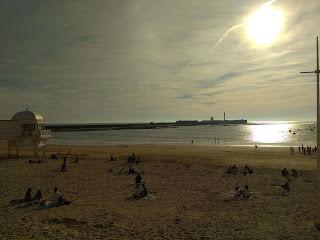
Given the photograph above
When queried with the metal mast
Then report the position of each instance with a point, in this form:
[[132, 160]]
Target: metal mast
[[317, 71]]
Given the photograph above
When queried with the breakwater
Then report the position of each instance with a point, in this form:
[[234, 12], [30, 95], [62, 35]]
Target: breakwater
[[151, 125]]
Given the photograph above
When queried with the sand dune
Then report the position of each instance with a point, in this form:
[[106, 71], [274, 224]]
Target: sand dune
[[187, 182]]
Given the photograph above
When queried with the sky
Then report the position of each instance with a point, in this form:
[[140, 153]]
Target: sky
[[106, 61]]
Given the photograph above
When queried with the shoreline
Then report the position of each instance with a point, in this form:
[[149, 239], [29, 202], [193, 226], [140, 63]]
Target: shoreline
[[266, 157], [114, 143]]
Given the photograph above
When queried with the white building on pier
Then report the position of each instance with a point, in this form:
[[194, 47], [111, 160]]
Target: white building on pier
[[25, 128]]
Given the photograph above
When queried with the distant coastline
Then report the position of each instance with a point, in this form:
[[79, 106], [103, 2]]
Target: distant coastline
[[151, 125]]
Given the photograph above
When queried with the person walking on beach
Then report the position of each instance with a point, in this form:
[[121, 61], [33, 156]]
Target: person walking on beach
[[138, 179]]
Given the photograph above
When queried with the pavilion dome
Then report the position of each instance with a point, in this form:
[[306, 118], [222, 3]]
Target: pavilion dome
[[27, 115]]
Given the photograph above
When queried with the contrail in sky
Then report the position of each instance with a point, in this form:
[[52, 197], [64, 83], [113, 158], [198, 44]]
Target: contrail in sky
[[220, 40]]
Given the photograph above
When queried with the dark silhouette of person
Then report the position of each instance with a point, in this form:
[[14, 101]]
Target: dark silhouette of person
[[286, 186], [38, 196], [27, 196], [138, 179], [237, 193], [64, 165], [245, 192], [144, 190], [284, 172], [131, 170], [77, 160], [294, 172]]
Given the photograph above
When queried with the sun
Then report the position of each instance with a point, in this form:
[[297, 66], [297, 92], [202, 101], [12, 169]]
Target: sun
[[264, 25]]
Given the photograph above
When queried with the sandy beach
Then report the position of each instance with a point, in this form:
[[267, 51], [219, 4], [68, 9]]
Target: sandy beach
[[187, 182]]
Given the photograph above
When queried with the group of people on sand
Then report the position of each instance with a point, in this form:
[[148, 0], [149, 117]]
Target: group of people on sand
[[55, 200], [285, 173], [140, 190], [233, 169], [140, 187], [294, 172], [305, 150], [39, 160]]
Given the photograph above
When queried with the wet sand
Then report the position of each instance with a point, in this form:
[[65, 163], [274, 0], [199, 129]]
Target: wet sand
[[186, 182]]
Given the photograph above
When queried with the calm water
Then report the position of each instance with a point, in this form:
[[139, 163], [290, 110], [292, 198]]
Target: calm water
[[261, 133]]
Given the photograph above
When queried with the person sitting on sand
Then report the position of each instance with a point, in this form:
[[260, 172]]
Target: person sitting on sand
[[237, 193], [138, 179], [294, 173], [121, 171], [63, 168], [234, 169], [131, 170], [284, 172], [27, 196], [140, 191], [133, 158], [129, 160], [144, 190], [137, 191], [56, 199], [247, 170], [77, 159], [38, 198], [245, 193], [286, 186]]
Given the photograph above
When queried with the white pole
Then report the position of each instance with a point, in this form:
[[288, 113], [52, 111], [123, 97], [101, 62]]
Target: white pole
[[317, 71], [318, 122]]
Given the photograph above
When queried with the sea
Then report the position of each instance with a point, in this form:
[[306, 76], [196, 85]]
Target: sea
[[261, 133]]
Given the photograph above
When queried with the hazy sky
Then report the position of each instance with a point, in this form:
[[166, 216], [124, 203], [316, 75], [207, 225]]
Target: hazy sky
[[119, 60]]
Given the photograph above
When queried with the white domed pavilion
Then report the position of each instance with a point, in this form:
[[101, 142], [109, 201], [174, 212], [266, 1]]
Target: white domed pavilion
[[25, 128]]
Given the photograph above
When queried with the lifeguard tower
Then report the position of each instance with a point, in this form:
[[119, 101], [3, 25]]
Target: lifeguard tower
[[25, 128]]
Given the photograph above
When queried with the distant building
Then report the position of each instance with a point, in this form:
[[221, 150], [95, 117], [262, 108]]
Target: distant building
[[25, 128]]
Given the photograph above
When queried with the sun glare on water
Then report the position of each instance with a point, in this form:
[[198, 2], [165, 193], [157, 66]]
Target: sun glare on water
[[264, 25], [273, 133]]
